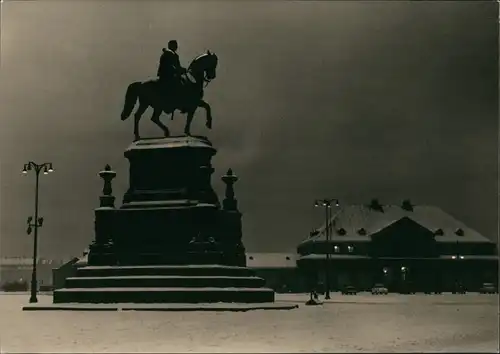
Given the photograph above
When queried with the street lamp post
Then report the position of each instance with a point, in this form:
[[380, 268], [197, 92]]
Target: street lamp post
[[36, 222], [327, 204]]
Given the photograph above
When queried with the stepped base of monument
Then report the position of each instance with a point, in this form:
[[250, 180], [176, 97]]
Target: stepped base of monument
[[163, 295], [186, 270], [218, 307], [162, 281], [164, 284]]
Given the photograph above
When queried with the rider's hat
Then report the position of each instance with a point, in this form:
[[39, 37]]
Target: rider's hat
[[172, 43]]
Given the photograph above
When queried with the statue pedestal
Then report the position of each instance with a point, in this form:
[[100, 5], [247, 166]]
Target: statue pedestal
[[169, 203], [170, 171], [169, 241]]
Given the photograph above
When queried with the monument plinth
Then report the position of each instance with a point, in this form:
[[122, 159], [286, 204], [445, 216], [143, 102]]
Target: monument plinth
[[170, 171], [170, 209], [170, 240]]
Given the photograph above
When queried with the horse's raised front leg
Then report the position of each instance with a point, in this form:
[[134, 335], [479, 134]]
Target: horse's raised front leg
[[137, 117], [208, 110], [156, 119]]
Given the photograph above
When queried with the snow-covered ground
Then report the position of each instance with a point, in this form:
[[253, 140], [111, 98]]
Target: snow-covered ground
[[362, 323]]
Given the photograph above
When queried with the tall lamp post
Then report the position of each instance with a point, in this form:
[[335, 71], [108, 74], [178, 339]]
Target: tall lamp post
[[327, 204], [36, 222]]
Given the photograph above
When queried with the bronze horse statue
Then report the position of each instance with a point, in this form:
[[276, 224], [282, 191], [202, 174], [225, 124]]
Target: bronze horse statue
[[186, 98]]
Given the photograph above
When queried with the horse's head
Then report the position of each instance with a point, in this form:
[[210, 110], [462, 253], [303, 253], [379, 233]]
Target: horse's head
[[211, 70], [204, 67]]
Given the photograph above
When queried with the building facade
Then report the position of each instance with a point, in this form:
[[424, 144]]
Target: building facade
[[19, 269], [405, 247], [278, 269]]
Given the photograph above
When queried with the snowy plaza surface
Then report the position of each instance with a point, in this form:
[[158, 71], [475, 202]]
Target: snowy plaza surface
[[360, 323]]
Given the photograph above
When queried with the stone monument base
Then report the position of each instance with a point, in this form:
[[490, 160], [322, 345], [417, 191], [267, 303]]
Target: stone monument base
[[170, 241], [164, 284]]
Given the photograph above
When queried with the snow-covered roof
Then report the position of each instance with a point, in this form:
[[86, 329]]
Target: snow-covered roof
[[21, 261], [333, 256], [359, 222], [271, 260]]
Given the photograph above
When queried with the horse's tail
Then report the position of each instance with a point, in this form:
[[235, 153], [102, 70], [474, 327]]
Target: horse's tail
[[130, 99]]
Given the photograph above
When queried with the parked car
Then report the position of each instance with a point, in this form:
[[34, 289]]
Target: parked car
[[459, 288], [349, 290], [488, 288], [46, 288], [407, 288], [379, 289], [433, 289], [16, 285]]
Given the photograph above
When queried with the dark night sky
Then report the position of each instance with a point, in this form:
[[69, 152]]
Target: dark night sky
[[345, 99]]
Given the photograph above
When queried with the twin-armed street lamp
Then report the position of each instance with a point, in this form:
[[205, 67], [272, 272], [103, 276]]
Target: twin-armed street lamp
[[36, 222], [327, 204]]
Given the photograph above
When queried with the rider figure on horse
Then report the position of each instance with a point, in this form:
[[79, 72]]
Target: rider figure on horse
[[170, 69]]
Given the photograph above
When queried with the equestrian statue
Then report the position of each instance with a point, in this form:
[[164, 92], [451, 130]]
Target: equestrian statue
[[175, 89]]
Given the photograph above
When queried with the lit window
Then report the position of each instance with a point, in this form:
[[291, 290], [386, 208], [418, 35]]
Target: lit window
[[350, 248], [336, 249]]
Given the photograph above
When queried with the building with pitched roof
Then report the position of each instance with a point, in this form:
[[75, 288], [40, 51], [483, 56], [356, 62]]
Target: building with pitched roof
[[278, 269], [19, 269], [404, 246]]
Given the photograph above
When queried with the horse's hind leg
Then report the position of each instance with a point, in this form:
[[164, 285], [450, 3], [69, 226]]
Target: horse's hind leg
[[189, 119], [137, 117], [156, 119]]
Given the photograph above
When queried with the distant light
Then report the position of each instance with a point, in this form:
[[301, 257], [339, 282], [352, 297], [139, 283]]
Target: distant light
[[462, 257], [453, 257], [384, 270], [25, 171], [403, 268]]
